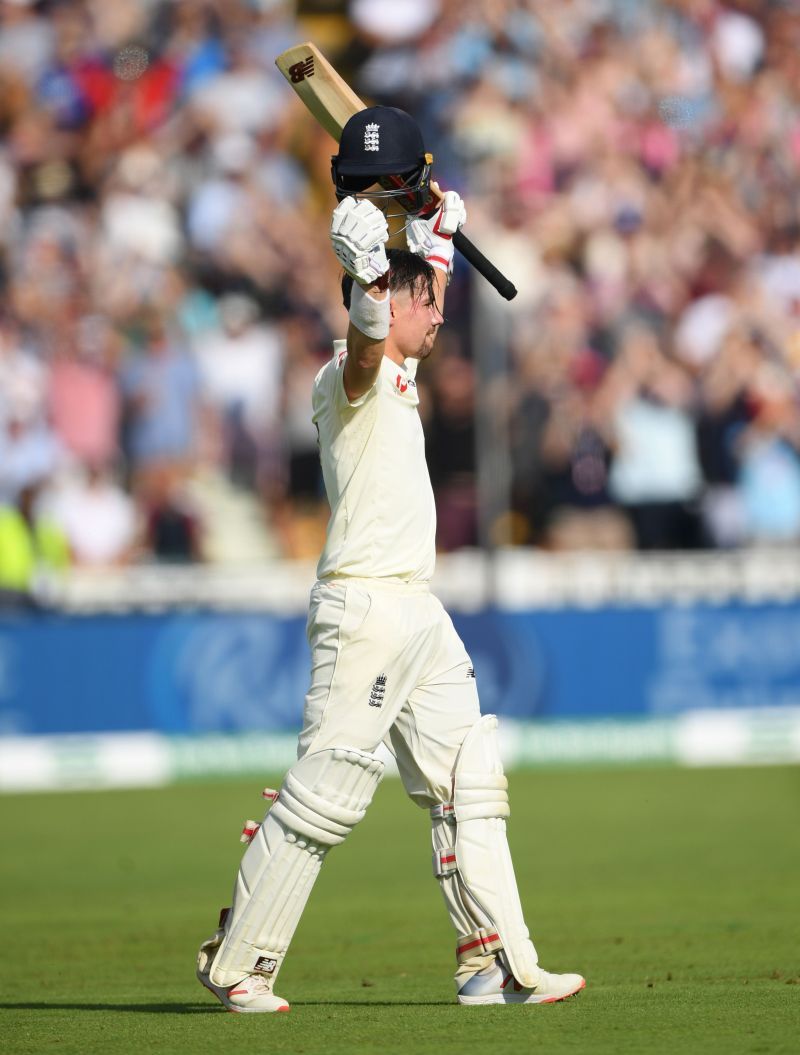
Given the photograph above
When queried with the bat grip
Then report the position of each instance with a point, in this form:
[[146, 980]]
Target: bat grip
[[476, 258]]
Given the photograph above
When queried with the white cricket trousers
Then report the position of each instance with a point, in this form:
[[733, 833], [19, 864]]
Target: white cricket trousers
[[388, 666]]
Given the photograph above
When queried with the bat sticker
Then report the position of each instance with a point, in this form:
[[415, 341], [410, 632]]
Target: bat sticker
[[301, 70]]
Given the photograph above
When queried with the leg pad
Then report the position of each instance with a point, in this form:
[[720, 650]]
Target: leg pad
[[323, 797], [473, 862]]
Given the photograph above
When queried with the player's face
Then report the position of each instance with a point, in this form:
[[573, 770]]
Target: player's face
[[416, 322]]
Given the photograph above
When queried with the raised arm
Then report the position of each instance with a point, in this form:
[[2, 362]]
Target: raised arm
[[358, 236], [364, 352]]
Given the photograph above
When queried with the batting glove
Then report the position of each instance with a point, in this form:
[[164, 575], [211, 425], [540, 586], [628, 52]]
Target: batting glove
[[432, 237], [358, 235]]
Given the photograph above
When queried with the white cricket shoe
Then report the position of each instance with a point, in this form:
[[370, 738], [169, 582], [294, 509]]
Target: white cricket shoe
[[496, 985], [252, 994]]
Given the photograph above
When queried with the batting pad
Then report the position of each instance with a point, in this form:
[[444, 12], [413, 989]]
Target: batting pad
[[473, 861], [324, 795]]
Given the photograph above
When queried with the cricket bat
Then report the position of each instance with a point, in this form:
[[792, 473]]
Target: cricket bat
[[332, 102]]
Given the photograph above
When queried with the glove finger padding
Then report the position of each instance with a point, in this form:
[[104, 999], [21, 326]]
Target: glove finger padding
[[358, 235], [450, 215], [360, 222], [431, 237], [419, 236]]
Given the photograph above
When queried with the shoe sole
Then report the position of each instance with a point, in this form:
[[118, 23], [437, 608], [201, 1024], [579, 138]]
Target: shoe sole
[[222, 995], [519, 998]]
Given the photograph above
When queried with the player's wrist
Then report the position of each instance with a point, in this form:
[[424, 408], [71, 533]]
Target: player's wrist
[[380, 285], [369, 311]]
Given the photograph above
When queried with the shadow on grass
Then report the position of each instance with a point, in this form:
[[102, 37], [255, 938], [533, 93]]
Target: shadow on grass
[[203, 1009], [158, 1009], [372, 1003]]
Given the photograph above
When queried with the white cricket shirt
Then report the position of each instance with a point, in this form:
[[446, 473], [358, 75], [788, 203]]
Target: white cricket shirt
[[383, 517]]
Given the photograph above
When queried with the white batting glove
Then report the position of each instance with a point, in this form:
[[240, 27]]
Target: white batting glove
[[358, 235], [432, 237]]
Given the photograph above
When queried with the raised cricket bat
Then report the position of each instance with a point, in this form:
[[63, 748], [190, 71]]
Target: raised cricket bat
[[332, 101]]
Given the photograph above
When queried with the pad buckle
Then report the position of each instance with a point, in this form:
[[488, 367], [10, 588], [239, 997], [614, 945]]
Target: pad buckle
[[444, 862], [249, 831], [445, 811], [481, 942]]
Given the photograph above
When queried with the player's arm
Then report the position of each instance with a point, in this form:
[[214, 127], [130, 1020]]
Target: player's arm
[[440, 283], [431, 236], [364, 353], [358, 236]]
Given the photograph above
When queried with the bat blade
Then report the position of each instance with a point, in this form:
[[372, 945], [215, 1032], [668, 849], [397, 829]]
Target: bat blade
[[325, 94], [333, 102]]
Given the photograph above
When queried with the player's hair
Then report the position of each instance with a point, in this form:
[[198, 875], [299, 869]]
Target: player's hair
[[406, 271]]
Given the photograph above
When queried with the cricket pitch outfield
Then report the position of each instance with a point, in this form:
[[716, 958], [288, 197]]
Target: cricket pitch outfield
[[673, 891]]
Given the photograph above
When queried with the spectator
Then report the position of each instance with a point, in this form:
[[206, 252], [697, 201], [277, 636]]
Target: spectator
[[96, 516], [451, 446], [769, 472], [724, 412], [29, 452], [84, 398], [172, 527], [655, 475], [241, 375], [300, 513], [160, 387], [632, 166], [32, 547]]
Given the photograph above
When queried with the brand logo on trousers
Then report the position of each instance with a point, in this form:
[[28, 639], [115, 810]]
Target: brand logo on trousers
[[378, 691], [266, 965]]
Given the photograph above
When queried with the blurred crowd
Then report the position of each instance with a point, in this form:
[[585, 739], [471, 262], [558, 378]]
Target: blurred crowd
[[168, 292]]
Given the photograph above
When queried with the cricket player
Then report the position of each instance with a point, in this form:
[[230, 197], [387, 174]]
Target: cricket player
[[387, 664]]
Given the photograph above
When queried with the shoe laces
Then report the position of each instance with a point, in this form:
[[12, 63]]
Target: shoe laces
[[256, 985], [261, 984]]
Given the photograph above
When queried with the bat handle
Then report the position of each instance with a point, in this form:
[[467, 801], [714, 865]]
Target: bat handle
[[475, 257]]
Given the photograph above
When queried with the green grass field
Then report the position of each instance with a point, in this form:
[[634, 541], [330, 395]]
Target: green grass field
[[675, 892]]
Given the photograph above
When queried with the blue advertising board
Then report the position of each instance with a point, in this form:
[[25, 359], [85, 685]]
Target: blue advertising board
[[211, 672]]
